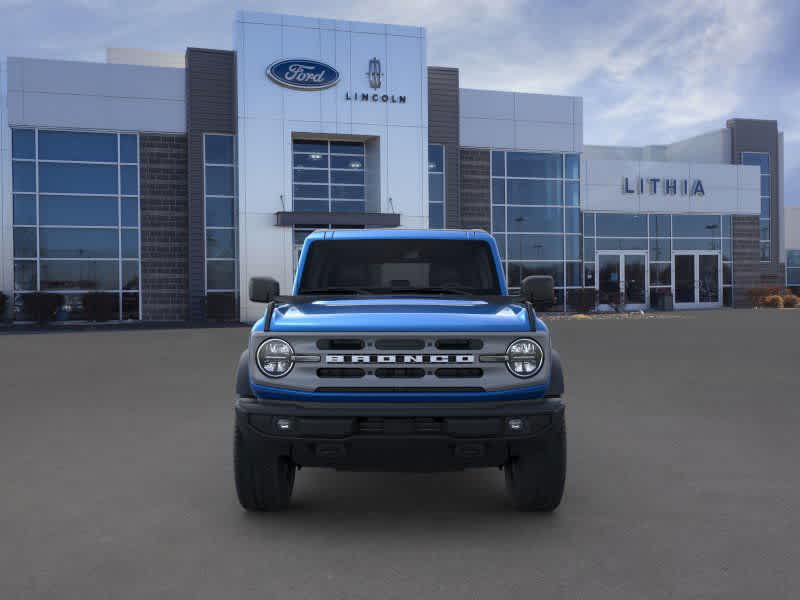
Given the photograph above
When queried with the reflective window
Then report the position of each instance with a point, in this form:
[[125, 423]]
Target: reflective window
[[793, 268], [128, 148], [77, 210], [25, 275], [536, 216], [533, 191], [761, 160], [498, 163], [696, 225], [660, 250], [23, 176], [58, 242], [535, 219], [662, 237], [660, 226], [23, 143], [572, 164], [436, 185], [219, 150], [221, 205], [621, 225], [130, 212], [79, 275], [69, 178], [25, 242], [535, 247], [532, 164], [327, 173], [24, 209], [82, 222], [78, 146], [220, 243]]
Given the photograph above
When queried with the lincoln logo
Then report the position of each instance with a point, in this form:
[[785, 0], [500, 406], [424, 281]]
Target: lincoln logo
[[374, 74], [405, 359], [301, 74]]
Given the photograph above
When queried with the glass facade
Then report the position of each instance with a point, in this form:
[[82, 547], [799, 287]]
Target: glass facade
[[793, 268], [536, 216], [328, 176], [76, 219], [761, 160], [436, 186], [660, 235], [219, 157]]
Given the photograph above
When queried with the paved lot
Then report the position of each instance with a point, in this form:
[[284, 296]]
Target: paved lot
[[683, 478]]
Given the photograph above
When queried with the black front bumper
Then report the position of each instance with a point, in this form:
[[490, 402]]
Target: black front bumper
[[423, 437]]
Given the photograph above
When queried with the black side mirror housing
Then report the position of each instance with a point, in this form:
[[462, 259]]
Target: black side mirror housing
[[264, 289], [538, 290]]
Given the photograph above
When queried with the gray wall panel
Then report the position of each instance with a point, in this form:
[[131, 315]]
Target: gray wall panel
[[443, 128], [210, 108]]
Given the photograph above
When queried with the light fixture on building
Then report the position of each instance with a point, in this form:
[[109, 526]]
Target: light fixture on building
[[355, 164], [316, 156]]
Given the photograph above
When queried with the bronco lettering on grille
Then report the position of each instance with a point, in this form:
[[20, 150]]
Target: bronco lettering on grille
[[400, 358]]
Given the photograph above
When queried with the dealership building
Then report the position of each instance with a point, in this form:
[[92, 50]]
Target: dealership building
[[168, 180]]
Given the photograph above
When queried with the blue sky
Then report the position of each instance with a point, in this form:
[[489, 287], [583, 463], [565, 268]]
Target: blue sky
[[649, 72]]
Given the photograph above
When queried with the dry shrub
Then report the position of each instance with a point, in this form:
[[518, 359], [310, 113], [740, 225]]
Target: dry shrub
[[773, 301], [790, 301]]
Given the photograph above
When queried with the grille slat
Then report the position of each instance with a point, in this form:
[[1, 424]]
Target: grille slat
[[399, 372], [340, 372], [459, 372], [399, 344]]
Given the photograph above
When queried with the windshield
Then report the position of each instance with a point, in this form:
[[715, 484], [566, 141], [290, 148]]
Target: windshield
[[407, 266]]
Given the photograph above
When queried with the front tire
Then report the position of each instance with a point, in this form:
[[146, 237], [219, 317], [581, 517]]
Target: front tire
[[262, 483], [535, 479]]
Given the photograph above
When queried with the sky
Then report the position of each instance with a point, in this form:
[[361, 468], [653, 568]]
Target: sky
[[649, 72]]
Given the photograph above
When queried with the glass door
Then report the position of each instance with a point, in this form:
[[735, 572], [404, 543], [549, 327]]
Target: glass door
[[621, 280], [697, 280]]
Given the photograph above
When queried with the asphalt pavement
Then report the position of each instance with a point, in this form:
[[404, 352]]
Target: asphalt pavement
[[683, 477]]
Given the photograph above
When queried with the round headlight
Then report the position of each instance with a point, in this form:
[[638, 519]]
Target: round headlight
[[275, 357], [524, 357]]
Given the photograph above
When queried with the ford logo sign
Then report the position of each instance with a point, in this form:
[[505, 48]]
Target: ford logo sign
[[303, 74]]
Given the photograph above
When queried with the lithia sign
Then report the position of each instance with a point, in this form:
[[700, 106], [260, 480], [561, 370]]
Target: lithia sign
[[667, 186], [306, 74]]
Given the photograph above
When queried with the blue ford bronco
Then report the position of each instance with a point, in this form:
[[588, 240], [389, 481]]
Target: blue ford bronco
[[400, 350]]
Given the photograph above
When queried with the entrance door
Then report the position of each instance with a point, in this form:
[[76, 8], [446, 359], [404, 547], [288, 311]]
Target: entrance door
[[622, 280], [697, 279]]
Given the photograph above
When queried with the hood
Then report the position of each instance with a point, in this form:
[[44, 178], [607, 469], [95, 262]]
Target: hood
[[400, 314]]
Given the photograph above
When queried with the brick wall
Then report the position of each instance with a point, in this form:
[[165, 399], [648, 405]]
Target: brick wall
[[475, 197], [165, 227]]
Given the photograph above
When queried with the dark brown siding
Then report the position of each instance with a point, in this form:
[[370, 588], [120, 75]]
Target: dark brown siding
[[443, 129], [746, 253], [164, 226], [475, 198], [753, 135], [210, 108]]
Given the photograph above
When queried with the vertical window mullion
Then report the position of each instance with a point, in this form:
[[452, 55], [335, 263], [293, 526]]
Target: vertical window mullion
[[36, 188]]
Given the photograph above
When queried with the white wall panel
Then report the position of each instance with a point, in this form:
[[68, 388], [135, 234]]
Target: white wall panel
[[270, 115], [539, 135], [486, 133], [53, 93], [536, 121], [486, 104], [724, 193]]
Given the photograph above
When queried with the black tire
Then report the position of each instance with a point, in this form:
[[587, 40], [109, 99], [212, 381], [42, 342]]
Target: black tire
[[263, 484], [535, 480]]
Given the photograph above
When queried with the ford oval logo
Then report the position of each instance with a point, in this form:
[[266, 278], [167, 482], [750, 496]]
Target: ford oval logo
[[303, 74]]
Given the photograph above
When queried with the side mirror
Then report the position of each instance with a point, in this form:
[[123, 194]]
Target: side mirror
[[538, 290], [263, 289]]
